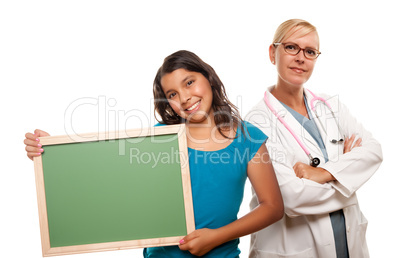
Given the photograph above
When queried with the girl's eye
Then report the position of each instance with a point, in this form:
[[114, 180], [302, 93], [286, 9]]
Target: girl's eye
[[172, 95], [189, 83]]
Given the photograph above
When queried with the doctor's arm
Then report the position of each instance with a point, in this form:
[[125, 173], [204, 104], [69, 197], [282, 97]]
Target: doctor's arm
[[352, 169], [318, 174], [302, 196]]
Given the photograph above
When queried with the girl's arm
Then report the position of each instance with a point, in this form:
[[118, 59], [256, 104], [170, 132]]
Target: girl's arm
[[270, 209], [33, 146]]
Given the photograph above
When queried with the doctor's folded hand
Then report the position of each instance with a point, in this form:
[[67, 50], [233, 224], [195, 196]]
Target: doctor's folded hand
[[321, 175], [32, 142], [315, 174], [350, 143]]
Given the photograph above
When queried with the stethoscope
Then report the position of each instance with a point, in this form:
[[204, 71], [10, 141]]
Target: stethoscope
[[314, 162]]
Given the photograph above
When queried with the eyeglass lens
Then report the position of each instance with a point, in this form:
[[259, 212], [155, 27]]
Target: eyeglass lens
[[294, 49]]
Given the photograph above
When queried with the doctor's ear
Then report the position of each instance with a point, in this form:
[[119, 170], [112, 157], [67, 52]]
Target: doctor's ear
[[272, 49]]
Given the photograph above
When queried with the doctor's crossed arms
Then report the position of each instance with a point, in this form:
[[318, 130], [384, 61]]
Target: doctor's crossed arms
[[321, 175]]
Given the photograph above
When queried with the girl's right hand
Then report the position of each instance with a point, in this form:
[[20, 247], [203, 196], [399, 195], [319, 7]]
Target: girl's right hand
[[33, 146], [200, 241]]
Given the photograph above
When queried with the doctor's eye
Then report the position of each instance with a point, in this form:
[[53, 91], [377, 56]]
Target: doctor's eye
[[310, 52], [292, 48]]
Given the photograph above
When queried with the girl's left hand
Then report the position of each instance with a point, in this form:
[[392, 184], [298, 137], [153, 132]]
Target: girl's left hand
[[318, 174], [200, 242]]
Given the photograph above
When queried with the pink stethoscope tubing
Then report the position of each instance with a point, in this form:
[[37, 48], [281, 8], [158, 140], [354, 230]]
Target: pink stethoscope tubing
[[315, 98], [286, 125], [313, 161]]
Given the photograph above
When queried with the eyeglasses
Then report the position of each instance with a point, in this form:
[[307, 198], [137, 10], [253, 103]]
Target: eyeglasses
[[294, 49]]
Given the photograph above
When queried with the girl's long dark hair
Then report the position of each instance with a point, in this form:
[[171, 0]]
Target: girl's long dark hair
[[226, 115]]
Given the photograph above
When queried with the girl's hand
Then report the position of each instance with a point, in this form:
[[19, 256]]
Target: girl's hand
[[33, 146], [348, 143], [200, 242], [318, 175]]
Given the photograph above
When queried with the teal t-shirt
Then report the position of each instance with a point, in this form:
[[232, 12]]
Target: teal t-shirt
[[217, 183]]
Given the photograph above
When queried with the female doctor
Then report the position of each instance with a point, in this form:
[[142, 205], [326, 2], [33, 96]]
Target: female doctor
[[320, 153]]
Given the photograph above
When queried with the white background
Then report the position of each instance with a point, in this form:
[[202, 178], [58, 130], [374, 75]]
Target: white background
[[54, 53]]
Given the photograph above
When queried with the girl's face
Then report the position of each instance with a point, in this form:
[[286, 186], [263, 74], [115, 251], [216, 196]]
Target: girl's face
[[189, 94], [294, 70]]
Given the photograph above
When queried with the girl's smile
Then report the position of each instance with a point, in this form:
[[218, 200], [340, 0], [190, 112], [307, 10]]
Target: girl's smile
[[194, 107]]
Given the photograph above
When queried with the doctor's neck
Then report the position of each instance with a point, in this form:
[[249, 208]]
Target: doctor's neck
[[291, 95]]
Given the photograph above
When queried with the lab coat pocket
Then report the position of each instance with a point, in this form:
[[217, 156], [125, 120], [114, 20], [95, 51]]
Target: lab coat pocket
[[362, 226], [308, 253]]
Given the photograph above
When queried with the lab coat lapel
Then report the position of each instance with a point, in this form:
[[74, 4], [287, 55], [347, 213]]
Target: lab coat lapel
[[297, 128], [326, 124]]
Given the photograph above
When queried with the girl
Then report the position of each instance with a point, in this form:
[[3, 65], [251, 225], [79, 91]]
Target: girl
[[223, 152], [322, 214]]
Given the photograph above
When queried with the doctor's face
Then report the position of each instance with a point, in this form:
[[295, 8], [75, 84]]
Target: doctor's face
[[294, 70]]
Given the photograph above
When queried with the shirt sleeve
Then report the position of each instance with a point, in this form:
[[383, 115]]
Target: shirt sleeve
[[254, 138]]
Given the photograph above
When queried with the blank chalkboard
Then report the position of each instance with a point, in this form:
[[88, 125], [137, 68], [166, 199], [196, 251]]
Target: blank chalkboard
[[110, 191]]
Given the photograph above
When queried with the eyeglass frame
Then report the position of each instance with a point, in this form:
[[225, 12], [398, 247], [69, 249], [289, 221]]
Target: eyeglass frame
[[304, 53]]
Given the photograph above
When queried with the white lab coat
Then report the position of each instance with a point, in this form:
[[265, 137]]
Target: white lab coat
[[305, 230]]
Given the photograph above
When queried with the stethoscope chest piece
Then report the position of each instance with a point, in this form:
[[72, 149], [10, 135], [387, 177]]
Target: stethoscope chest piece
[[314, 162]]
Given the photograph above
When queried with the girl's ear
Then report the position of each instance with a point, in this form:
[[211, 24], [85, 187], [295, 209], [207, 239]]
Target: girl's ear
[[272, 50]]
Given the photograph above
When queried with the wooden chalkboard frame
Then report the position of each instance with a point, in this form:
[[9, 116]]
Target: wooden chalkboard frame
[[179, 130]]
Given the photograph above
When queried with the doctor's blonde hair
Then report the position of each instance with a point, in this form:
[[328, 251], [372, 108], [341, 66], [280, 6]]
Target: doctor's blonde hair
[[290, 27]]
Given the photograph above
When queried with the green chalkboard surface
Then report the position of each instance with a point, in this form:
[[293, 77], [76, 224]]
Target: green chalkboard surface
[[114, 193]]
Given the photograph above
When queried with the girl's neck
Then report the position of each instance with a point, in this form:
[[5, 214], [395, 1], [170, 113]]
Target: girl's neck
[[202, 129], [206, 137]]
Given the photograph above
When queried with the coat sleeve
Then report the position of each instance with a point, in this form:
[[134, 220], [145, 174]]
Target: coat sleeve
[[354, 168], [300, 196], [303, 196]]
